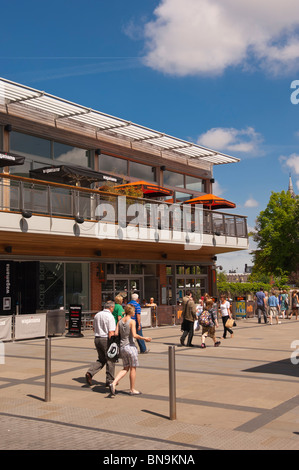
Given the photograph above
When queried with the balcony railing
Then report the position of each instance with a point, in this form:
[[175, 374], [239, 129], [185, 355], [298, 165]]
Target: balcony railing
[[19, 194]]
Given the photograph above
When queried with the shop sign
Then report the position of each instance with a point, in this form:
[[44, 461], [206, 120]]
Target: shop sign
[[75, 320]]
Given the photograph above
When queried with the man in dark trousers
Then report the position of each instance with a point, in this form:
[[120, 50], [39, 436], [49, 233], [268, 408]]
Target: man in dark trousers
[[104, 328], [189, 316]]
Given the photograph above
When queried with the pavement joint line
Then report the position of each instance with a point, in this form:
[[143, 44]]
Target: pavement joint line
[[269, 415]]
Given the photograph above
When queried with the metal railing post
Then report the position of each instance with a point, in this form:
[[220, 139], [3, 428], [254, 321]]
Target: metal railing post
[[47, 369], [172, 383]]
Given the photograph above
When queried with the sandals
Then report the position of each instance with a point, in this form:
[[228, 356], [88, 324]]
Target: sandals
[[135, 393]]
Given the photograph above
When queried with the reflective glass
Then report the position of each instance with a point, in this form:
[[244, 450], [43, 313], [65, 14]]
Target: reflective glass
[[113, 164], [68, 154], [143, 172], [194, 184], [170, 178], [29, 145]]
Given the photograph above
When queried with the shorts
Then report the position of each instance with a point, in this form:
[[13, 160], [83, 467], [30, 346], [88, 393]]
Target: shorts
[[209, 331], [273, 311], [129, 355]]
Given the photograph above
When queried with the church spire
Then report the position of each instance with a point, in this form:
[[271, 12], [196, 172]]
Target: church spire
[[290, 188]]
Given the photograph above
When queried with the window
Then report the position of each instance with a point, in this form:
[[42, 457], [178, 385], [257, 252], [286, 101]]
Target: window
[[194, 184], [68, 154], [181, 197], [179, 180], [38, 149], [170, 178], [142, 172], [29, 145], [186, 277], [118, 166]]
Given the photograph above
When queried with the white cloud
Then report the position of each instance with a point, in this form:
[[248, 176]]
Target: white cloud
[[218, 190], [204, 37], [251, 202], [293, 162], [231, 139]]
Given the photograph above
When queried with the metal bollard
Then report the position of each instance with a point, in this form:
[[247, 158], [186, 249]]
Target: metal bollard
[[47, 369], [172, 383]]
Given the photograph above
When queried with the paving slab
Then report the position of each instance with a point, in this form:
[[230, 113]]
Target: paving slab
[[242, 395]]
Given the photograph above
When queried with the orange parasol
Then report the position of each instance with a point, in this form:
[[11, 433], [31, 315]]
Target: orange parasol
[[212, 202], [148, 189]]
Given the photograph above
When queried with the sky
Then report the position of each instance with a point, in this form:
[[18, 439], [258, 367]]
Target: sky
[[220, 73]]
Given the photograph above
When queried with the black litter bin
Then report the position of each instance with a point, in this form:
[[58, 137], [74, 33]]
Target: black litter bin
[[55, 322]]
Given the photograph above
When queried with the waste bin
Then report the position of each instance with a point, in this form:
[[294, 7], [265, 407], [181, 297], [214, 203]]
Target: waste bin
[[56, 322]]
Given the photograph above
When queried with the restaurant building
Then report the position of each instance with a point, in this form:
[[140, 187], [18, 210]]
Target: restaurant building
[[65, 220]]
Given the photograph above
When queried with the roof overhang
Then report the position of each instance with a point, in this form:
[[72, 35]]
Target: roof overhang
[[12, 93]]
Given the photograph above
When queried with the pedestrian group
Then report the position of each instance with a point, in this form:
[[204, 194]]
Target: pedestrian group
[[123, 326]]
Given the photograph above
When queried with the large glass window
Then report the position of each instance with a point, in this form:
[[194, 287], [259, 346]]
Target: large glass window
[[194, 184], [170, 178], [142, 172], [186, 277], [116, 165], [39, 149], [51, 286], [63, 284], [69, 154], [179, 180], [29, 145], [77, 284]]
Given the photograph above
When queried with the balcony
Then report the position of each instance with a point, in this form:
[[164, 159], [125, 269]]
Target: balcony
[[44, 208]]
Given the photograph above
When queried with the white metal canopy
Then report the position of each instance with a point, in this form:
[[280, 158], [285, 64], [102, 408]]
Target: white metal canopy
[[14, 93]]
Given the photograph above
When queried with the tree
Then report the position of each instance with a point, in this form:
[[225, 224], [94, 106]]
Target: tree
[[277, 236]]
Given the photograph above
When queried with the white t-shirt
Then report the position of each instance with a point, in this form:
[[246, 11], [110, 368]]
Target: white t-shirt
[[103, 323], [224, 308]]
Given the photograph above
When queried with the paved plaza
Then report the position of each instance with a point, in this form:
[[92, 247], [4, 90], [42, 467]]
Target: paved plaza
[[241, 395]]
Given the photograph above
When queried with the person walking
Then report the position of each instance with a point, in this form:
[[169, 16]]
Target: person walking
[[126, 329], [273, 307], [189, 316], [261, 308], [118, 311], [104, 327], [137, 318], [225, 310], [294, 304], [211, 329], [284, 303]]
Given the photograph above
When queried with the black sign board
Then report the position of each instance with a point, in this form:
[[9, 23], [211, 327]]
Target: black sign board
[[6, 288], [75, 316]]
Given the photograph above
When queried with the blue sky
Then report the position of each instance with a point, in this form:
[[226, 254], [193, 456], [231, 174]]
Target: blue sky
[[214, 72]]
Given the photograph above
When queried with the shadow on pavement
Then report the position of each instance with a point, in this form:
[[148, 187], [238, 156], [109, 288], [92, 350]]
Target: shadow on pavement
[[283, 367]]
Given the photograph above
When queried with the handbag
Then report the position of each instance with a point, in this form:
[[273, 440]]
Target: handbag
[[229, 323]]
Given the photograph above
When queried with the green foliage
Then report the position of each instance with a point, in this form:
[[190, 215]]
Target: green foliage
[[277, 236]]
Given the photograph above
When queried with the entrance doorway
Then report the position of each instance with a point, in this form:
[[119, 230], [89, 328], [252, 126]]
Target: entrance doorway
[[124, 279]]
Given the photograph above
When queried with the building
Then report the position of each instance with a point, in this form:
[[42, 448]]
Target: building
[[59, 243]]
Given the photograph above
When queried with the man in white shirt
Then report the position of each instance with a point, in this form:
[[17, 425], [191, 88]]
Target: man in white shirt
[[104, 328]]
